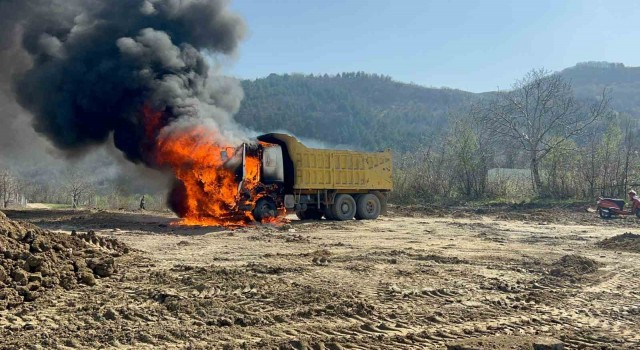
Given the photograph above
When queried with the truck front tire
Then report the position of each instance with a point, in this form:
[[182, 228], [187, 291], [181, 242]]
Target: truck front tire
[[265, 208], [368, 207], [344, 207]]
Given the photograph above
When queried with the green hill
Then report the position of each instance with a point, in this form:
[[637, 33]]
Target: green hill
[[367, 111], [372, 112], [623, 83]]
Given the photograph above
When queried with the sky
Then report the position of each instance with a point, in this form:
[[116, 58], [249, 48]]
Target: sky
[[470, 45]]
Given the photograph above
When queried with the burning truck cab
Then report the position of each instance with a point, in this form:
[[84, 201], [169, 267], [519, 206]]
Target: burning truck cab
[[259, 172], [279, 174]]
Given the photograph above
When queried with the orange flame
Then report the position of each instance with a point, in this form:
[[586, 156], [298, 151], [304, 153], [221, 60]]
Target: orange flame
[[210, 191], [207, 192]]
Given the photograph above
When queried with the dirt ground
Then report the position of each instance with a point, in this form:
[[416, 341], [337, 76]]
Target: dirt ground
[[415, 279]]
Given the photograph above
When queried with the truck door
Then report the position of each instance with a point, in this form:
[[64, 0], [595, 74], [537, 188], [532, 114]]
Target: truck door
[[272, 164]]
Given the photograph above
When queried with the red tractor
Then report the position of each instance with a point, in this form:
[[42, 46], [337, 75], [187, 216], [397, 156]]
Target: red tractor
[[607, 207]]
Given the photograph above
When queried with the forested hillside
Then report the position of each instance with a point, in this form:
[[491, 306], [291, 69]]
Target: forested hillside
[[372, 112], [589, 78], [356, 109]]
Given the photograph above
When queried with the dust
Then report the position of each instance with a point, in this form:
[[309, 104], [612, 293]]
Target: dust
[[34, 261], [628, 242]]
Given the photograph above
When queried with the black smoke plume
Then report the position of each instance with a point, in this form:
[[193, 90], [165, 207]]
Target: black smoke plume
[[96, 64]]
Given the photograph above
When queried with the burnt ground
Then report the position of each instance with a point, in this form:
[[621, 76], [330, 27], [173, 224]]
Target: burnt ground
[[415, 279]]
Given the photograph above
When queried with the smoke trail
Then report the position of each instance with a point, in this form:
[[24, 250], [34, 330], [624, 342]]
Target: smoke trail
[[96, 64]]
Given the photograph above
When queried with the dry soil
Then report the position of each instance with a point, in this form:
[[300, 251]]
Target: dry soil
[[415, 279]]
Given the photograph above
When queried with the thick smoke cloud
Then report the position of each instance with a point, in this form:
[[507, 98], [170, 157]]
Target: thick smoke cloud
[[95, 64]]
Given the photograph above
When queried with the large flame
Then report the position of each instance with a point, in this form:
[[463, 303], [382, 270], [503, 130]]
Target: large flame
[[206, 193]]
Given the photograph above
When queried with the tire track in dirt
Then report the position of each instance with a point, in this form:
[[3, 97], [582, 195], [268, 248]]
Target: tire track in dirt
[[397, 283], [547, 318]]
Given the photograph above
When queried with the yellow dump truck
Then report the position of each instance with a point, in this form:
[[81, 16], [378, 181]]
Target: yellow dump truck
[[336, 184]]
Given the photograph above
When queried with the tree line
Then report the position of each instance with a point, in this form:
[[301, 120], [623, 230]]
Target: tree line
[[568, 148], [75, 188]]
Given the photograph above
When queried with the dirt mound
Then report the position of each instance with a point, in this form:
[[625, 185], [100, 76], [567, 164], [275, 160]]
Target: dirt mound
[[574, 266], [628, 242], [33, 260]]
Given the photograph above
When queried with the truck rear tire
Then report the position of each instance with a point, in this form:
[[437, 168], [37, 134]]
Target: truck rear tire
[[344, 207], [327, 212], [265, 208], [382, 197], [367, 207]]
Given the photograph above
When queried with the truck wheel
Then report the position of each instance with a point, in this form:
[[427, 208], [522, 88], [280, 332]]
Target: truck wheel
[[382, 197], [327, 212], [605, 213], [265, 208], [367, 207], [309, 214], [344, 207]]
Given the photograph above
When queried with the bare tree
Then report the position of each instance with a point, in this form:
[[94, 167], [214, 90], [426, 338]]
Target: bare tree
[[77, 186], [7, 187], [629, 148], [540, 113], [590, 161]]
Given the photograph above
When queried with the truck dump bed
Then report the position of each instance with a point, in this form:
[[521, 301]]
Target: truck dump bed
[[325, 169]]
